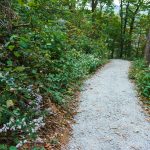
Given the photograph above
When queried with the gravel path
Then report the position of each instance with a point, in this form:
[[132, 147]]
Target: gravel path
[[110, 117]]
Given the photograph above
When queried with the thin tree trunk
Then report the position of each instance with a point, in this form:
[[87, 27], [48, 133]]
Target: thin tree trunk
[[72, 6], [147, 48], [125, 26], [113, 49], [131, 28], [138, 44], [94, 5], [121, 16], [126, 17]]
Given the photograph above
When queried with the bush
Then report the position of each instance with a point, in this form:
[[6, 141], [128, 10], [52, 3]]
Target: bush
[[140, 72], [73, 67], [37, 64], [48, 58]]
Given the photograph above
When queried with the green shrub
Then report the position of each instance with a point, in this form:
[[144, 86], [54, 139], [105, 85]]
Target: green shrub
[[140, 72], [45, 59], [42, 64]]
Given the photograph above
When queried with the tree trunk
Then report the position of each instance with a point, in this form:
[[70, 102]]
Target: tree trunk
[[72, 6], [126, 17], [121, 39], [132, 27], [94, 5], [147, 48], [124, 28]]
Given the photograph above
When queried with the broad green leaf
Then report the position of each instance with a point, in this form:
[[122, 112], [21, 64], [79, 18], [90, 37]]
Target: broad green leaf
[[17, 54], [19, 69], [12, 148], [9, 63], [9, 103], [11, 47]]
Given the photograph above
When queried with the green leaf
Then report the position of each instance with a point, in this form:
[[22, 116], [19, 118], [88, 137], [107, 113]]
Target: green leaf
[[23, 42], [12, 148], [3, 147], [34, 71], [1, 76], [19, 69], [17, 54], [9, 63], [11, 47], [9, 103], [21, 2]]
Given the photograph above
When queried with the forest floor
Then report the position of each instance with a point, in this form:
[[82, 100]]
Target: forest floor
[[109, 115]]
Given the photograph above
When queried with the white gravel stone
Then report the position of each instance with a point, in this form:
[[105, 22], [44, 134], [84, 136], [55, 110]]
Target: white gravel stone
[[110, 116]]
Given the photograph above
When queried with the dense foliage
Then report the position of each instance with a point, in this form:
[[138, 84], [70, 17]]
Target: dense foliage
[[134, 25], [140, 72], [42, 55]]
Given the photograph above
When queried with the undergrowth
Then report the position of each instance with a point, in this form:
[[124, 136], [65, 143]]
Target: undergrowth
[[46, 59], [140, 72]]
